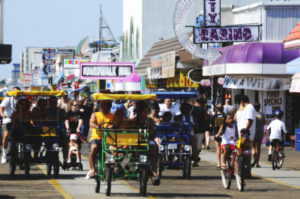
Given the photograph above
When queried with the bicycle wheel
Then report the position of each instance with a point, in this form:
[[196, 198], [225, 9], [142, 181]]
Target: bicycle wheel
[[239, 174], [226, 176], [187, 168], [108, 180], [274, 159], [143, 181], [280, 159]]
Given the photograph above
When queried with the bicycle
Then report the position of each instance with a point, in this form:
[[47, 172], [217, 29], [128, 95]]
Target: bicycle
[[277, 154], [236, 163]]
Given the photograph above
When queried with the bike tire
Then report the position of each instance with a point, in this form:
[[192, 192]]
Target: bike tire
[[280, 159], [226, 178], [143, 181], [108, 181], [97, 184], [187, 167], [274, 159]]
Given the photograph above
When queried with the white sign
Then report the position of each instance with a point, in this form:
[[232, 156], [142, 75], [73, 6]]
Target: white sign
[[212, 15], [36, 79], [295, 87], [113, 70], [257, 83], [272, 101], [226, 34]]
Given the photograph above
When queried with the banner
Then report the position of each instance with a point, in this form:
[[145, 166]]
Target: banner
[[162, 66], [257, 83]]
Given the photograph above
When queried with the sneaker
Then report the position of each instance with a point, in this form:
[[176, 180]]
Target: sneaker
[[3, 159], [69, 161], [77, 160], [88, 175]]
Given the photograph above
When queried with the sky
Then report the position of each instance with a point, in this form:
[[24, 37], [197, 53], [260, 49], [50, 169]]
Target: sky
[[55, 23]]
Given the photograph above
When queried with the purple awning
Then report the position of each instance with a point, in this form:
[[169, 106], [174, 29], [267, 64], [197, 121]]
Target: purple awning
[[266, 53]]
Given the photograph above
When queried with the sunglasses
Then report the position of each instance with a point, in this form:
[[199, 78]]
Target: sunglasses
[[76, 105]]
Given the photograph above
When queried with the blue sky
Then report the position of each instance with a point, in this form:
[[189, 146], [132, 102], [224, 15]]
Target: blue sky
[[55, 23]]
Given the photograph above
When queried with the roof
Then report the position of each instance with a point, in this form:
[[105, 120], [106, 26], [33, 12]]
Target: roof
[[159, 48], [261, 4], [294, 34], [257, 52], [36, 93], [102, 96]]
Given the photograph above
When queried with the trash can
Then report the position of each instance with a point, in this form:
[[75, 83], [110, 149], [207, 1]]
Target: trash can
[[297, 139]]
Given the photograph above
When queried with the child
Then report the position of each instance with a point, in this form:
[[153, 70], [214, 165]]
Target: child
[[228, 131], [73, 147], [276, 129]]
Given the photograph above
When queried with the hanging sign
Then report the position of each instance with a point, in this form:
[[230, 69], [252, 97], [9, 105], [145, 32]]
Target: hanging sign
[[110, 70], [257, 83], [226, 34], [212, 13]]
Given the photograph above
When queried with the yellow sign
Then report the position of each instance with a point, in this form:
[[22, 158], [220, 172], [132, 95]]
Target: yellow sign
[[38, 88], [181, 80], [148, 85]]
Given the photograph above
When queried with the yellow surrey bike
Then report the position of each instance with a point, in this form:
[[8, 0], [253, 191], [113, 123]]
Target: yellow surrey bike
[[36, 141], [125, 152]]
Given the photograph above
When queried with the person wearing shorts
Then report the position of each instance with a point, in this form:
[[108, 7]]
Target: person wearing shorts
[[101, 119], [7, 107], [216, 122]]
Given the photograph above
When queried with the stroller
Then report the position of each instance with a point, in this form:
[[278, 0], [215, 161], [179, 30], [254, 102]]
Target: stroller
[[74, 157]]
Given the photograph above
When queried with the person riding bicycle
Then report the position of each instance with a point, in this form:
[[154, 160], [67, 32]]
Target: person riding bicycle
[[228, 131], [101, 119], [276, 130]]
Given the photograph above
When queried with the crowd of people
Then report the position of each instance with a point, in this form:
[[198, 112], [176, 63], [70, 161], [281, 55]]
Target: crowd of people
[[78, 116]]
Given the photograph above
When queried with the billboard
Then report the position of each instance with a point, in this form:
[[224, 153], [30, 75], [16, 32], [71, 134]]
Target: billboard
[[105, 70]]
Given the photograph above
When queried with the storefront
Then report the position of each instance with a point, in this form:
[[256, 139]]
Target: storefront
[[167, 65], [257, 70]]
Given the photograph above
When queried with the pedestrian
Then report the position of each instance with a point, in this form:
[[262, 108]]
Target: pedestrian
[[64, 103], [219, 98], [198, 116], [247, 122], [207, 129], [74, 118], [259, 134], [87, 109], [7, 107], [227, 107], [216, 122]]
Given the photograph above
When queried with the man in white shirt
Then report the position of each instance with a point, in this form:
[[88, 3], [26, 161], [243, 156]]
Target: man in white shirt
[[248, 122], [248, 117], [7, 107], [168, 107]]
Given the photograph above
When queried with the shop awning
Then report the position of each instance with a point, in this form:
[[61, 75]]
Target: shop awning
[[293, 66], [293, 39], [251, 58], [295, 85]]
